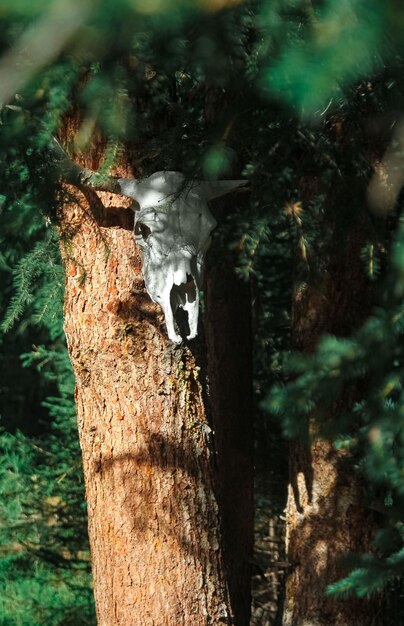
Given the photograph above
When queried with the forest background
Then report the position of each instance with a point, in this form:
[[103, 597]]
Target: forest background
[[312, 101]]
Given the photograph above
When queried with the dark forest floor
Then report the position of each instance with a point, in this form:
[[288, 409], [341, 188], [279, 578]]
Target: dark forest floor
[[269, 564]]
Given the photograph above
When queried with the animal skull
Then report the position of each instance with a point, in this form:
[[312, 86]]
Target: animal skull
[[173, 227]]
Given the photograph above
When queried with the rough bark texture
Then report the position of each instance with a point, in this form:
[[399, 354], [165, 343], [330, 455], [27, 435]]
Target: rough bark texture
[[326, 516], [159, 483]]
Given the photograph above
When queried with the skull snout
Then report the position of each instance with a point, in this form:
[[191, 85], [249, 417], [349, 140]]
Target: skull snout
[[183, 293]]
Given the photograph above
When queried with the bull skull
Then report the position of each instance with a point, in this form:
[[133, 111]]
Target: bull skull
[[173, 227]]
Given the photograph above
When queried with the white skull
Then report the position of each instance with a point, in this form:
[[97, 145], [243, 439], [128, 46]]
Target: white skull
[[173, 227]]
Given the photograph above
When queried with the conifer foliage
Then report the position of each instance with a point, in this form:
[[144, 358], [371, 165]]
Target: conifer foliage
[[296, 96], [44, 559]]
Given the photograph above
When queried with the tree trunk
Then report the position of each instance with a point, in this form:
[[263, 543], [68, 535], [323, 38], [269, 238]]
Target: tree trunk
[[326, 515], [165, 517]]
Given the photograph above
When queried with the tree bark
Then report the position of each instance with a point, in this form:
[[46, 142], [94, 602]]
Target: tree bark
[[228, 338], [326, 514], [166, 550]]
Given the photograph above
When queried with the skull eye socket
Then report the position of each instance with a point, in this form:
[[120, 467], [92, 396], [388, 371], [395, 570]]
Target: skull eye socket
[[141, 230]]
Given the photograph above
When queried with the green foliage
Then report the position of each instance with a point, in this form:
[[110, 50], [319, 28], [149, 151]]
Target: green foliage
[[27, 274], [44, 557], [334, 51], [44, 563], [372, 429], [298, 96]]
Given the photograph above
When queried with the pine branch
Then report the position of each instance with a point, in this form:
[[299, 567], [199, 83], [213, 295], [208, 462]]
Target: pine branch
[[72, 172], [81, 176]]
